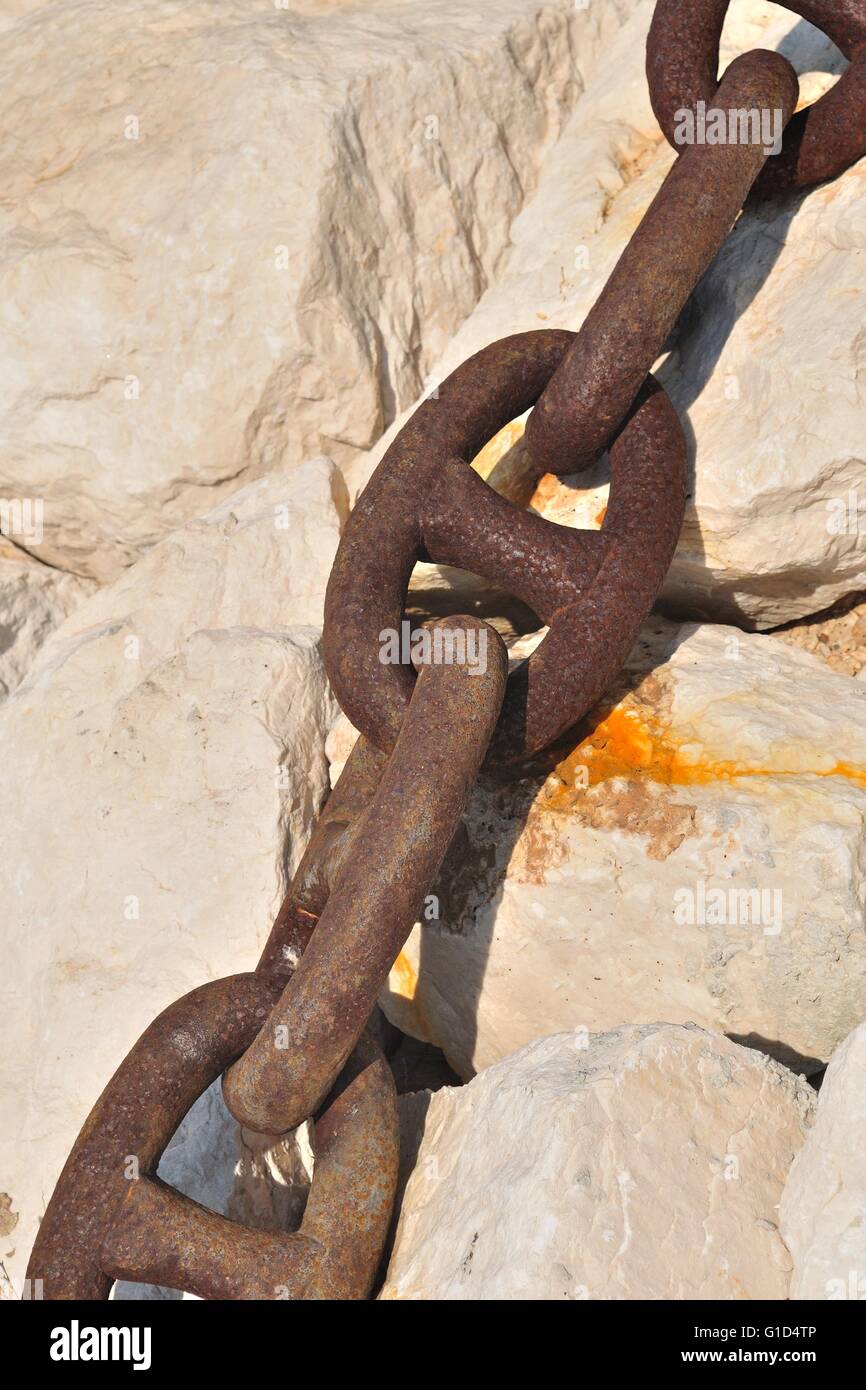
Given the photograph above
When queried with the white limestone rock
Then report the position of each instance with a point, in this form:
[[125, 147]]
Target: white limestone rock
[[767, 361], [260, 558], [823, 1210], [237, 235], [697, 856], [34, 601], [13, 10], [643, 1163], [163, 766]]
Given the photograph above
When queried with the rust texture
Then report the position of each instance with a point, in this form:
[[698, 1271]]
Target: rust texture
[[329, 843], [294, 1036], [593, 588], [378, 890], [108, 1219], [628, 326], [821, 141]]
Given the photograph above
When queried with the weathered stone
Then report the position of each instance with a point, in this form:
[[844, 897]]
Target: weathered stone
[[238, 236], [697, 856], [642, 1163], [164, 762], [34, 601], [260, 556], [823, 1210]]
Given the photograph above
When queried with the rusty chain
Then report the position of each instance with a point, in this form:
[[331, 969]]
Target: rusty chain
[[292, 1040]]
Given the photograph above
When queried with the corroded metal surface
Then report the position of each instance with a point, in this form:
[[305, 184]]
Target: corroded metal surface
[[593, 588], [162, 1237], [627, 328], [821, 141], [287, 1035], [329, 844], [110, 1218], [378, 890]]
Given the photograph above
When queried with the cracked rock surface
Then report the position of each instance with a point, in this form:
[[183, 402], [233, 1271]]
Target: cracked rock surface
[[650, 1164], [236, 237], [34, 600]]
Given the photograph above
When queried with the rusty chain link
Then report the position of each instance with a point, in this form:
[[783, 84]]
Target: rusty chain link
[[291, 1040], [821, 141], [103, 1225], [376, 892], [627, 328]]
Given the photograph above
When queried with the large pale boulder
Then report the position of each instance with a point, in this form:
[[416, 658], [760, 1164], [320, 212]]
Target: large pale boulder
[[766, 363], [646, 1162], [696, 856], [235, 236], [163, 765], [823, 1210]]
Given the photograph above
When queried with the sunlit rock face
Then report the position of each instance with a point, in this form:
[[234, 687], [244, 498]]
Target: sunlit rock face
[[164, 764], [236, 237], [696, 856], [646, 1162], [825, 1196]]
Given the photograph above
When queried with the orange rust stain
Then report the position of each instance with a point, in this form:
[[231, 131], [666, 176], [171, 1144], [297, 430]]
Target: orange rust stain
[[599, 520], [625, 744]]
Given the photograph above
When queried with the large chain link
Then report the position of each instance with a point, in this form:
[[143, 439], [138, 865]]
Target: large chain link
[[292, 1039]]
